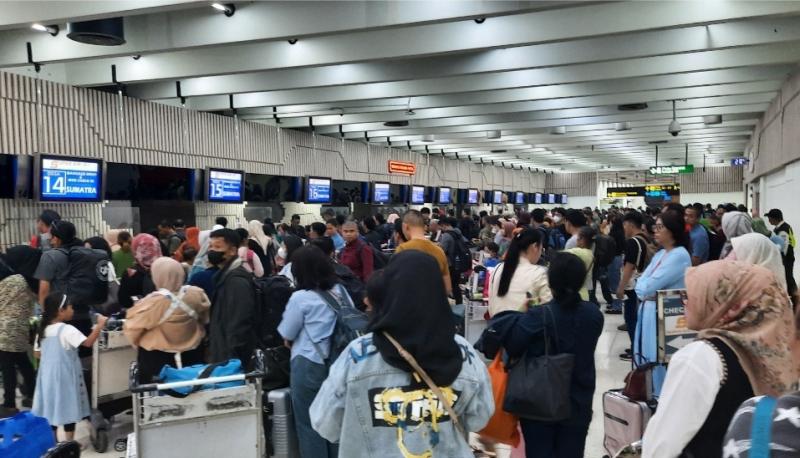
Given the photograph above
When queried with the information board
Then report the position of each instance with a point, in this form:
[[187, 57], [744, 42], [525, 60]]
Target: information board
[[672, 169], [318, 190], [444, 195], [519, 198], [225, 186], [497, 197], [70, 179], [739, 161], [537, 197], [472, 196], [380, 193], [417, 195], [673, 333], [551, 198], [564, 199]]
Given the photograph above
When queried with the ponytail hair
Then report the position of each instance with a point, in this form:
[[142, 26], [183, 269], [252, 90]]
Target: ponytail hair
[[53, 303], [589, 234], [566, 276], [519, 244]]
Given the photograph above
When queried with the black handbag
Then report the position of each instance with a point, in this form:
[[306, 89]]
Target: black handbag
[[276, 367], [539, 386]]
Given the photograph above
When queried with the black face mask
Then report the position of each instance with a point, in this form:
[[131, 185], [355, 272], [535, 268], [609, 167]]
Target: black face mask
[[216, 257]]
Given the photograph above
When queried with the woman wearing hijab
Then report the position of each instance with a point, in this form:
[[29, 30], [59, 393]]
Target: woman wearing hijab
[[291, 243], [202, 272], [745, 336], [374, 404], [574, 326], [734, 224], [259, 243], [168, 322], [192, 241], [756, 249], [17, 299], [137, 281], [665, 271]]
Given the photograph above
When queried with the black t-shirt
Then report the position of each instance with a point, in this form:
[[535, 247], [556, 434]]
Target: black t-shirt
[[634, 253]]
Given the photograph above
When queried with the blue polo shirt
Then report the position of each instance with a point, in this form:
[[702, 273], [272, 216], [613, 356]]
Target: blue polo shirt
[[700, 245]]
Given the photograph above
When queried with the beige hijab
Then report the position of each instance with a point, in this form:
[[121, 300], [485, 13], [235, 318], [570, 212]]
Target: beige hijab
[[743, 305], [755, 248]]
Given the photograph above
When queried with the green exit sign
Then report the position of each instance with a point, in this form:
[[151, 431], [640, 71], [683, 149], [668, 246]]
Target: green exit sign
[[672, 169]]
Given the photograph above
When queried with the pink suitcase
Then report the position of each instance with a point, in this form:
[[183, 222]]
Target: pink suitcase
[[624, 421]]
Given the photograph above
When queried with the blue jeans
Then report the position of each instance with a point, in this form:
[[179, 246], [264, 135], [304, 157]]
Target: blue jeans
[[306, 380], [554, 440], [631, 312]]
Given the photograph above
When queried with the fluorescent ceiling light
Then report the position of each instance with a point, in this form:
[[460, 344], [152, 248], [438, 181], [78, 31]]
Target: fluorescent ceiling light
[[51, 29]]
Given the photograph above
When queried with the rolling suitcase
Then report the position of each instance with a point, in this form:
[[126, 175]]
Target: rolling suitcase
[[279, 425], [624, 421]]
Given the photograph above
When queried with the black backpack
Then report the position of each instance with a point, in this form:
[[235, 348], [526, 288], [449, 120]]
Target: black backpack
[[354, 286], [379, 258], [272, 295], [605, 249], [351, 324], [87, 275], [460, 259]]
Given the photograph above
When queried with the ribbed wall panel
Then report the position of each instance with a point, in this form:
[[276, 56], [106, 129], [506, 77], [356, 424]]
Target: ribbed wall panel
[[714, 179], [573, 184], [18, 219], [206, 213]]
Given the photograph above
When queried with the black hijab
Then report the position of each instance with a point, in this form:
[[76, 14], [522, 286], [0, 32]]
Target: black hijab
[[23, 260], [416, 313]]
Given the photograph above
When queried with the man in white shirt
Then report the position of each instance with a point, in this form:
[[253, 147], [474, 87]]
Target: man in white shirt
[[574, 221]]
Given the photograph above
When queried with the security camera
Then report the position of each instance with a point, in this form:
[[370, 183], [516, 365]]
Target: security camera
[[674, 128]]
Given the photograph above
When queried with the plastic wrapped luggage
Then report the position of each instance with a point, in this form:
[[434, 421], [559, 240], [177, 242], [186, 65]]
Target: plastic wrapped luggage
[[281, 438], [24, 435], [624, 421]]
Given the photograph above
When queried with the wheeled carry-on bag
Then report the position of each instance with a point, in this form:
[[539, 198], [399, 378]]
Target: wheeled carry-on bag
[[624, 421], [281, 438]]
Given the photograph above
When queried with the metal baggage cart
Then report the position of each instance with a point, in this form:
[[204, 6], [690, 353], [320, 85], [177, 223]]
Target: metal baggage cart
[[112, 355], [205, 424]]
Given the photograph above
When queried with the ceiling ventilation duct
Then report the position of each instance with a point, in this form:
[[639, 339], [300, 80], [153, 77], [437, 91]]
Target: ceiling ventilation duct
[[712, 120], [558, 130], [101, 32], [632, 107], [622, 126], [396, 124], [493, 135]]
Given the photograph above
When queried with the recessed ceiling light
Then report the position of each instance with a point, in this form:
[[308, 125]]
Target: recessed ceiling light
[[632, 107], [227, 8], [51, 29], [428, 138], [712, 120], [396, 124]]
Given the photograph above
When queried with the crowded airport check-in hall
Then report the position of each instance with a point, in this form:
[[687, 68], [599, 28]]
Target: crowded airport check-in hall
[[399, 229]]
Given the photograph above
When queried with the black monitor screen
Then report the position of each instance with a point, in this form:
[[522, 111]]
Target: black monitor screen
[[8, 175]]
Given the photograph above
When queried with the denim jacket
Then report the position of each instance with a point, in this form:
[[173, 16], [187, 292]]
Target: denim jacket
[[375, 410]]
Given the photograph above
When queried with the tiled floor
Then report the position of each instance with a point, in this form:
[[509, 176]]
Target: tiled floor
[[610, 373]]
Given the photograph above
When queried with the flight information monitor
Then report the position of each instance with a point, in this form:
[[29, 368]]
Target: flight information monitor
[[497, 198], [472, 196], [444, 196], [381, 193], [70, 179], [417, 195], [519, 198], [551, 198], [564, 199], [537, 197], [226, 186], [318, 190]]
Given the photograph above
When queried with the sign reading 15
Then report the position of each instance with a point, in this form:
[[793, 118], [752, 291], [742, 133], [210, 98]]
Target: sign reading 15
[[55, 184], [217, 189]]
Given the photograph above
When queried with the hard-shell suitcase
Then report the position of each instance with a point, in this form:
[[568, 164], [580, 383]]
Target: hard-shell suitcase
[[624, 421], [279, 425]]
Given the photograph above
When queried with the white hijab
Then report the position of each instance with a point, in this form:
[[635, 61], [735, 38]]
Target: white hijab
[[757, 249], [256, 230], [204, 238]]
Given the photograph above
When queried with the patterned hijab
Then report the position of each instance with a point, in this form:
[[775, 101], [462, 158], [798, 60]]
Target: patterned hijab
[[743, 305], [734, 224], [146, 249]]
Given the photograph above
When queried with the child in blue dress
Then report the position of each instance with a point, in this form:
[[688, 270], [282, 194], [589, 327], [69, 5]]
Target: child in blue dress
[[61, 396]]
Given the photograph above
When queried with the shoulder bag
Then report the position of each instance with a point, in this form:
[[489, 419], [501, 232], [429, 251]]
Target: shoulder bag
[[539, 386]]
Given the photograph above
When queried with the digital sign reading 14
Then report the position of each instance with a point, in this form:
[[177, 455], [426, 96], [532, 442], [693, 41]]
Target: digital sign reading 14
[[318, 190], [225, 186], [70, 179], [380, 193], [417, 195], [472, 196]]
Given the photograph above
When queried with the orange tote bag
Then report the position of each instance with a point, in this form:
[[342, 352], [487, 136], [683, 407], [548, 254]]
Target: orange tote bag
[[502, 427]]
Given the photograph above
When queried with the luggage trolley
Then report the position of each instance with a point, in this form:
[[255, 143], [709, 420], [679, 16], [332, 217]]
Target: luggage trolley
[[112, 355], [204, 424]]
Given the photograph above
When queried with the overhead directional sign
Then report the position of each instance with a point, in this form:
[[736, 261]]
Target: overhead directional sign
[[673, 333], [671, 169], [739, 161]]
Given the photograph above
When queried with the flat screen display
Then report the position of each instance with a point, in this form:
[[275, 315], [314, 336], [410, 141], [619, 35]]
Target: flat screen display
[[497, 198], [417, 195], [472, 196], [519, 198], [318, 190], [70, 179], [225, 186], [444, 195], [537, 197], [551, 198], [564, 199], [381, 193]]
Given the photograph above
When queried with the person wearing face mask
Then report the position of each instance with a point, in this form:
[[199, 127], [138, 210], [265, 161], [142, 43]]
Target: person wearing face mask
[[233, 313], [43, 224], [518, 282]]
